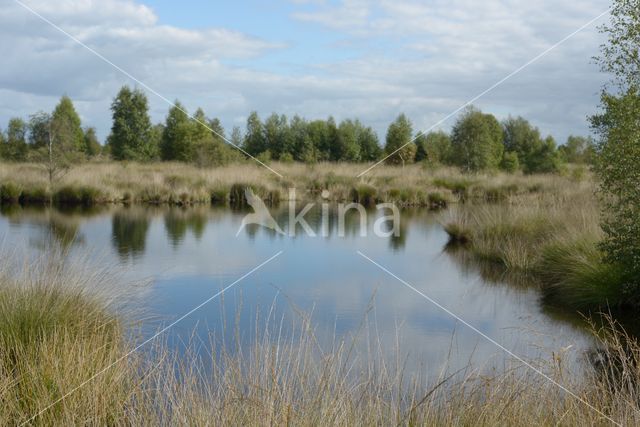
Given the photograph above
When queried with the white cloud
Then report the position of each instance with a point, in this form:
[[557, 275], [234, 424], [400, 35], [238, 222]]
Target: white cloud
[[423, 58]]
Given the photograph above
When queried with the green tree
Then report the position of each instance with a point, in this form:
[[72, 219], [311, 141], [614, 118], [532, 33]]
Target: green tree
[[14, 147], [217, 131], [434, 147], [510, 162], [254, 138], [521, 137], [578, 149], [236, 136], [370, 149], [347, 148], [618, 168], [180, 134], [545, 158], [67, 123], [53, 147], [476, 141], [201, 126], [130, 131], [303, 148], [278, 136], [618, 145], [91, 146], [399, 145], [321, 133], [39, 128]]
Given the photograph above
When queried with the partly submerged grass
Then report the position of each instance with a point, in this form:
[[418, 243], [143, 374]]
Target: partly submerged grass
[[64, 360], [551, 236]]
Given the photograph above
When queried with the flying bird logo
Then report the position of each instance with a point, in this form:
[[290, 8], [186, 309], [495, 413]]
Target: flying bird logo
[[260, 216]]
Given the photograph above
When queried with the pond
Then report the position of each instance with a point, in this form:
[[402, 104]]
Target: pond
[[190, 254]]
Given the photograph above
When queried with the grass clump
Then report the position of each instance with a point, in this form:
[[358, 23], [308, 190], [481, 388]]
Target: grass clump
[[10, 192], [55, 334], [574, 273], [85, 196], [364, 194], [35, 195], [220, 196], [237, 194], [437, 200], [458, 186]]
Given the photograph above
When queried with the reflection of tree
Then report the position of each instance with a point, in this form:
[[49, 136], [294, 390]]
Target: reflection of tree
[[58, 227], [178, 220], [64, 230], [398, 241], [129, 232]]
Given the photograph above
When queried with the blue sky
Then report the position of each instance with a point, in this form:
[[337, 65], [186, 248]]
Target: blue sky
[[347, 58]]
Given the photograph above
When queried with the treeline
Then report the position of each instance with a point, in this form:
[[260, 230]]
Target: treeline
[[478, 141]]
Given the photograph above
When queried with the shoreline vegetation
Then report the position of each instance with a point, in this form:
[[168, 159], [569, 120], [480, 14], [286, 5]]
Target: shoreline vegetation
[[63, 337], [96, 183]]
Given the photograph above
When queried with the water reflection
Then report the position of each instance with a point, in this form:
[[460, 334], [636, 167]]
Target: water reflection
[[194, 252], [55, 227], [129, 228]]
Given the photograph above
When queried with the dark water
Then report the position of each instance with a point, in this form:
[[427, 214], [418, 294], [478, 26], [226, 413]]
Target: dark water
[[193, 253]]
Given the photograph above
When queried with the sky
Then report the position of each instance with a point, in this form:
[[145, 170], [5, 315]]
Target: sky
[[370, 60]]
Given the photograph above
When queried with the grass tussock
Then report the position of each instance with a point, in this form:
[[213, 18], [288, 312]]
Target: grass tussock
[[59, 336]]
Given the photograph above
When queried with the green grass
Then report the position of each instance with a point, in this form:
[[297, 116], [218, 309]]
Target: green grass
[[575, 275], [10, 192]]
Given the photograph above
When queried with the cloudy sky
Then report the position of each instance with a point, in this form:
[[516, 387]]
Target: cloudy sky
[[347, 58]]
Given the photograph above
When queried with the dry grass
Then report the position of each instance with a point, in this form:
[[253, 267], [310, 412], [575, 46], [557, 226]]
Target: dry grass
[[179, 183], [550, 235]]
